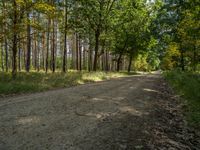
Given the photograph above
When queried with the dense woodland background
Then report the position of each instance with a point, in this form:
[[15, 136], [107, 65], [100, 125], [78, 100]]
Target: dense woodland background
[[107, 35]]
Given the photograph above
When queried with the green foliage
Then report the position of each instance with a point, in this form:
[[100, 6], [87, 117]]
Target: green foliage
[[140, 63], [147, 61], [178, 23], [40, 81], [187, 84], [171, 57]]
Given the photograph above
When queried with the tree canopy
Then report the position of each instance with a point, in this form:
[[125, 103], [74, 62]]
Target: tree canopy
[[99, 35]]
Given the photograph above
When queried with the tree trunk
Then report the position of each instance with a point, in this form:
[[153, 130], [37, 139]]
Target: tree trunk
[[119, 61], [106, 61], [14, 44], [35, 53], [19, 56], [73, 63], [38, 54], [28, 56], [77, 52], [65, 39], [47, 52], [53, 48], [43, 51], [90, 55], [120, 55], [2, 57], [39, 39], [6, 53], [84, 57], [80, 55], [97, 34]]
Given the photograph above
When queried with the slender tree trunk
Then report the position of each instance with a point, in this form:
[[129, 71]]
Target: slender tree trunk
[[77, 52], [53, 48], [14, 44], [47, 52], [119, 61], [35, 53], [65, 53], [38, 53], [24, 53], [43, 51], [4, 27], [6, 54], [90, 58], [2, 58], [90, 54], [28, 56], [73, 63], [97, 34], [106, 61], [38, 45], [65, 38], [19, 56], [84, 57], [80, 55]]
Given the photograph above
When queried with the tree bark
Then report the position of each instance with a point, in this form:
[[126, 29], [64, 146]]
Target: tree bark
[[106, 61], [47, 52], [90, 54], [119, 61], [80, 55], [84, 58], [43, 51], [2, 57], [77, 52], [6, 54], [53, 48], [28, 55], [97, 35], [19, 56], [14, 44], [121, 54], [65, 39]]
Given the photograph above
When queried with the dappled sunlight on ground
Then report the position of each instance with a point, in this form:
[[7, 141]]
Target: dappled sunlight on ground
[[150, 90], [131, 110], [28, 120], [97, 99]]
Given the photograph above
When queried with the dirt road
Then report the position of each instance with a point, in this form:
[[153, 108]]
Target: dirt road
[[136, 112]]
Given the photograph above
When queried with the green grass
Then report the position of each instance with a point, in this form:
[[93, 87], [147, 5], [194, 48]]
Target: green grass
[[187, 84], [35, 82]]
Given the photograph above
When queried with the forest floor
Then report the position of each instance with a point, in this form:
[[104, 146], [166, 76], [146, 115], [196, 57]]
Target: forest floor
[[136, 112]]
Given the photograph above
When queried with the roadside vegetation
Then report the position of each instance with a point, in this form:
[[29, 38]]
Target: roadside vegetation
[[187, 84], [40, 81]]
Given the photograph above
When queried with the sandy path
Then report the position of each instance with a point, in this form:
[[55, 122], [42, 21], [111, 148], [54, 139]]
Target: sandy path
[[110, 115]]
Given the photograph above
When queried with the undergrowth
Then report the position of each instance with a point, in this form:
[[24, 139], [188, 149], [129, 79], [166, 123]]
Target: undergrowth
[[187, 84], [40, 81]]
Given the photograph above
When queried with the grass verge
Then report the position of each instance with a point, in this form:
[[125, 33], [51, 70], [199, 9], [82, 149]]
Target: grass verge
[[187, 85], [40, 81]]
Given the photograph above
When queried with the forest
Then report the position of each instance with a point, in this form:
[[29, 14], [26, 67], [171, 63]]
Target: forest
[[48, 45], [107, 35]]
